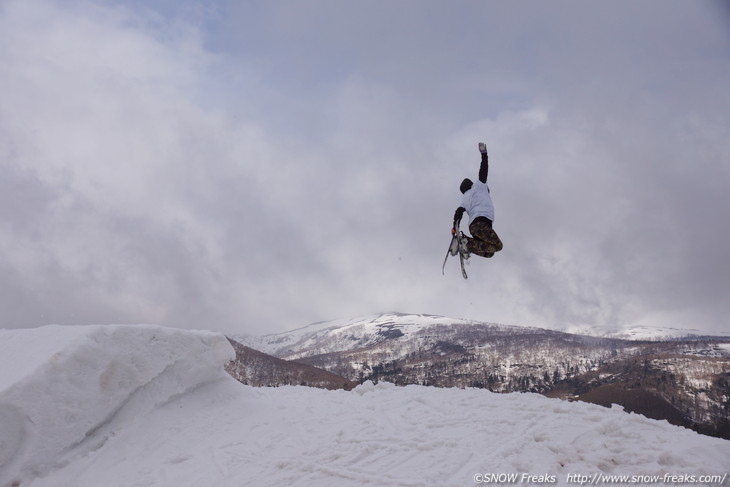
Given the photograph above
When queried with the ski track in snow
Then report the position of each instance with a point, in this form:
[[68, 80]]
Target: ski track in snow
[[210, 430]]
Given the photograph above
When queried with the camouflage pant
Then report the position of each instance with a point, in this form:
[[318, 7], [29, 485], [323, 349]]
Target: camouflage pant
[[485, 241]]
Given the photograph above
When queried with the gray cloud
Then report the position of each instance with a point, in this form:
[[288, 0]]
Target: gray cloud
[[252, 167]]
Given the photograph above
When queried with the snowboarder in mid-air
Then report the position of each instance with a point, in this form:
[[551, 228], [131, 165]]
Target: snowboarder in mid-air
[[477, 203]]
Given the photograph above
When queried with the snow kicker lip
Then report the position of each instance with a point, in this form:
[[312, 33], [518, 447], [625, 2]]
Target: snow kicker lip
[[73, 391]]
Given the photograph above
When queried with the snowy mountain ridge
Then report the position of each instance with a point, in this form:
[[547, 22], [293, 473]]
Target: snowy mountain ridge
[[360, 347], [351, 347], [351, 333], [644, 332]]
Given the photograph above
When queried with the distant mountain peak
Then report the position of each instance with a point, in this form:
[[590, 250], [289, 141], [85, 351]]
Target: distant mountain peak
[[644, 332], [348, 333]]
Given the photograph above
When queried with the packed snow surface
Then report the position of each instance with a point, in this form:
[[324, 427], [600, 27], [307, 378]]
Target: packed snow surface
[[149, 406]]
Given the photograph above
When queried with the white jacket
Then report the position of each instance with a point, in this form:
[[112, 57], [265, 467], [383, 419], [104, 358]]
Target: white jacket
[[478, 202]]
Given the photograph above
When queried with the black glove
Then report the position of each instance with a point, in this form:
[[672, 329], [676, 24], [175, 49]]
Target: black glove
[[458, 214]]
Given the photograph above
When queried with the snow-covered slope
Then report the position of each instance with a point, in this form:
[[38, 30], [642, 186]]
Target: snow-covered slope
[[150, 406], [65, 390]]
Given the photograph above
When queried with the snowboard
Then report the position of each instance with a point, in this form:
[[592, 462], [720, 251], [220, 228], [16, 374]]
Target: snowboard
[[454, 249]]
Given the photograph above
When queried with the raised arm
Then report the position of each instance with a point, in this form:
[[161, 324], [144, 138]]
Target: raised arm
[[484, 167]]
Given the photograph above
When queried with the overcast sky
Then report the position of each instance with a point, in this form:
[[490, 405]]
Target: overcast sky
[[255, 166]]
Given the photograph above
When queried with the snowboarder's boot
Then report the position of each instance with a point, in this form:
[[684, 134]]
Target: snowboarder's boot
[[464, 245]]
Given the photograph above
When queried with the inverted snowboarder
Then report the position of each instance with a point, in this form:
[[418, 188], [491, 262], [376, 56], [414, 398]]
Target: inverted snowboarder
[[477, 203]]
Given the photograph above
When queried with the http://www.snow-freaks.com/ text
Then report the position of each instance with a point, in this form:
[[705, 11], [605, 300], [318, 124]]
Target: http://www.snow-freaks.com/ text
[[599, 478]]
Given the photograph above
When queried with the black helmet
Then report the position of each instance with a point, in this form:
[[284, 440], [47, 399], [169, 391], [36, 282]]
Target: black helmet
[[466, 185]]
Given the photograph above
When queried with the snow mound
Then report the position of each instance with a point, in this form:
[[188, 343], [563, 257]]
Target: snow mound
[[228, 435], [63, 388]]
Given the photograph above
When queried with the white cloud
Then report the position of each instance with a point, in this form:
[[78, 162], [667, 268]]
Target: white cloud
[[256, 168]]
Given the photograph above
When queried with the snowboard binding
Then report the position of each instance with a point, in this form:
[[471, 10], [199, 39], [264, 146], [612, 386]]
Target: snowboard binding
[[458, 246]]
